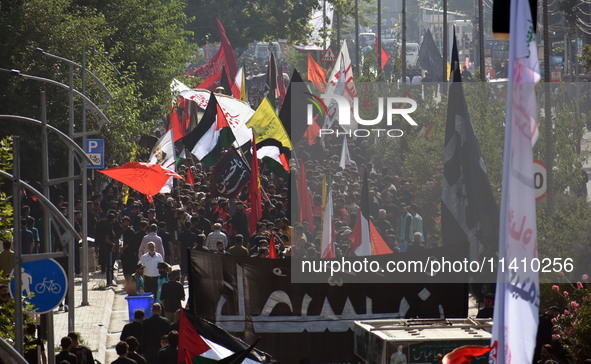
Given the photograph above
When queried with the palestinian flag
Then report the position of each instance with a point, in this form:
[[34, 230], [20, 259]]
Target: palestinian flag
[[212, 135], [195, 347], [366, 238], [275, 156]]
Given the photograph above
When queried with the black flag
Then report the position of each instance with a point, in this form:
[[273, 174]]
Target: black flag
[[229, 176], [469, 214], [429, 58]]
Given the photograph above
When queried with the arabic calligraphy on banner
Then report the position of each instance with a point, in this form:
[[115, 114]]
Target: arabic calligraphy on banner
[[229, 176], [255, 297]]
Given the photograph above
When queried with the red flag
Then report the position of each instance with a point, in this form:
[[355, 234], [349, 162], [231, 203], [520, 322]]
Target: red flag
[[385, 55], [464, 354], [255, 190], [282, 91], [306, 213], [272, 250], [211, 71], [316, 74], [313, 131], [180, 126], [145, 178], [190, 179]]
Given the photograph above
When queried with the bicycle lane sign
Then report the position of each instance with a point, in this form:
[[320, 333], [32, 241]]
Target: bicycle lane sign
[[44, 284]]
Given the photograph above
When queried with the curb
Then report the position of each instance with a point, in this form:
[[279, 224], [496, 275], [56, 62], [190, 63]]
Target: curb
[[108, 303]]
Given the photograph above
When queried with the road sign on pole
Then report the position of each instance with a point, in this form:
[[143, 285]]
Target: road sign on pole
[[329, 55], [43, 284], [95, 148], [539, 179]]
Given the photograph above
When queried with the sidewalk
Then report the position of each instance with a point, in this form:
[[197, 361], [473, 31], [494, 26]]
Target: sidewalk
[[91, 321]]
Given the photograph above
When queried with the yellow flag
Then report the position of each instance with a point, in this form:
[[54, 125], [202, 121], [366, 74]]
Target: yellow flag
[[266, 125]]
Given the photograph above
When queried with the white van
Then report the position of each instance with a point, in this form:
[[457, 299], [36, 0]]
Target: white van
[[412, 54], [262, 50]]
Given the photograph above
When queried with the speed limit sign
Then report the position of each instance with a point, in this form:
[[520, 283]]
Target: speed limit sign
[[539, 179]]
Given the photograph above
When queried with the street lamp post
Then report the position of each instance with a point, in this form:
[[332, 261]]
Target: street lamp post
[[49, 210], [108, 96], [70, 179]]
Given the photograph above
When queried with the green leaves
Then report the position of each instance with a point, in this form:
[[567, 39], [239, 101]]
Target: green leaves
[[134, 47], [252, 20]]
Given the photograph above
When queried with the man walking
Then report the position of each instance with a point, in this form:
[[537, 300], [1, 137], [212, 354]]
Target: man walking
[[83, 353], [154, 238], [172, 294], [150, 261], [154, 328]]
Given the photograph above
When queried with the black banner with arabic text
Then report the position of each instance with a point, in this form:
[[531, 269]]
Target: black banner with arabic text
[[254, 297], [229, 176]]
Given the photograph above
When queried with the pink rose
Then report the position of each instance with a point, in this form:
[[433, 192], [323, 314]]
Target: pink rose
[[554, 319], [579, 285], [584, 277], [565, 293], [566, 312], [573, 304], [556, 288], [586, 298]]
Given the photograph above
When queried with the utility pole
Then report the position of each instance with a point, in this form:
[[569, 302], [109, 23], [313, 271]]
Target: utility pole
[[548, 113], [379, 45], [481, 40], [403, 44], [357, 37], [324, 23], [444, 41]]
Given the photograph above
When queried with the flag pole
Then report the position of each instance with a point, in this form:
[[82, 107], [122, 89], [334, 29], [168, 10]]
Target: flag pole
[[240, 153]]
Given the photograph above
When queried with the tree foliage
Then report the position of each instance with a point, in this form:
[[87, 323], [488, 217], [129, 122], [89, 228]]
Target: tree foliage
[[134, 47], [252, 20], [417, 157]]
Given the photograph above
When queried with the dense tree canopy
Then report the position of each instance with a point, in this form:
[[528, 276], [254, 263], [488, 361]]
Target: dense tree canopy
[[134, 47], [252, 20]]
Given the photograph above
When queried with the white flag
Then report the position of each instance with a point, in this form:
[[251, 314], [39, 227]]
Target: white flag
[[517, 294], [340, 83], [163, 153], [237, 112], [345, 156]]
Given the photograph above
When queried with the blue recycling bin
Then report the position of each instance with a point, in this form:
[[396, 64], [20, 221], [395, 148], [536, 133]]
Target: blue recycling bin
[[143, 301]]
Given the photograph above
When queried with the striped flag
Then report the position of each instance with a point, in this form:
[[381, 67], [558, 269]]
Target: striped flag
[[195, 348], [240, 82], [365, 237], [212, 135], [517, 294]]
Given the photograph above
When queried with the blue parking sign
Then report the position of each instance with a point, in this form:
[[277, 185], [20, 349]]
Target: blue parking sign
[[43, 283], [95, 148]]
